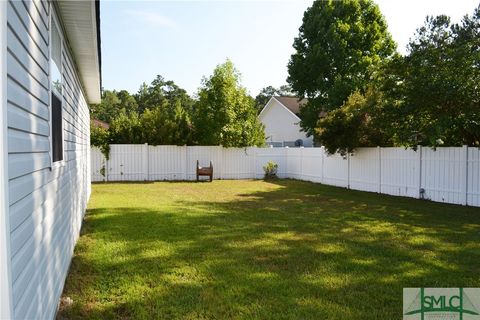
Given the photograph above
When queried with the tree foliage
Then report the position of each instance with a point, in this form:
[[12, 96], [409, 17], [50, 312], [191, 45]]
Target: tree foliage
[[359, 122], [434, 89], [166, 125], [161, 91], [339, 45], [429, 97], [158, 114], [126, 129], [100, 138], [113, 103], [162, 113], [224, 113]]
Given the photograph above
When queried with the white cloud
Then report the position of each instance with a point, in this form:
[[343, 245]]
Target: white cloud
[[152, 18]]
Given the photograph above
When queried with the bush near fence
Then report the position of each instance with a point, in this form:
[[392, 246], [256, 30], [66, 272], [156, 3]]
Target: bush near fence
[[450, 175]]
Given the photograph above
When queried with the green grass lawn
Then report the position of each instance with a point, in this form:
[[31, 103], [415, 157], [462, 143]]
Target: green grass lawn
[[263, 250]]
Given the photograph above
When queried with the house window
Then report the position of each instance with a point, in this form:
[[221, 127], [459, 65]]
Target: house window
[[56, 93]]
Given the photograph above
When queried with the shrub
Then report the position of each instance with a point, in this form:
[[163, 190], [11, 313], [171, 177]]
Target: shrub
[[100, 137], [270, 169]]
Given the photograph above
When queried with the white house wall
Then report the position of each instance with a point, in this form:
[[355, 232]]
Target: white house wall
[[6, 306], [281, 124], [46, 205]]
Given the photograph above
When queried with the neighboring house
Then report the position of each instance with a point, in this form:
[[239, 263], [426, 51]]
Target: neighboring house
[[282, 128], [50, 72], [99, 124]]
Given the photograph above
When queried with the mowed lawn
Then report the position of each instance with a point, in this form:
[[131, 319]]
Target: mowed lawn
[[263, 250]]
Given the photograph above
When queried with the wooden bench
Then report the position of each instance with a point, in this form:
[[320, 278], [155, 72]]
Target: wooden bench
[[205, 171]]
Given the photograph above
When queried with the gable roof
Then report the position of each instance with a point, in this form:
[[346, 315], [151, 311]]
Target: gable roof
[[291, 103]]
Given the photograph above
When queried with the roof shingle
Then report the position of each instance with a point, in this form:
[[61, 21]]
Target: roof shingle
[[292, 103]]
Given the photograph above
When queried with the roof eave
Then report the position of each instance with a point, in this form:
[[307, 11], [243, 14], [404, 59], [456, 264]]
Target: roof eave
[[81, 20]]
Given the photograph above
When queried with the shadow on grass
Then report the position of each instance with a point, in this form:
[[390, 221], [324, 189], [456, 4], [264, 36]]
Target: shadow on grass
[[301, 251]]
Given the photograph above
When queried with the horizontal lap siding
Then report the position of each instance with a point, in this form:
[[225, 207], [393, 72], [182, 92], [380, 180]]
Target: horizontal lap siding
[[46, 206]]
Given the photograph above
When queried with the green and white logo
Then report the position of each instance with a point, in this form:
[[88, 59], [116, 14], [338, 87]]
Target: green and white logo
[[441, 303]]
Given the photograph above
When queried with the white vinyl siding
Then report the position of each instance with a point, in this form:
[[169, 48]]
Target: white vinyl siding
[[46, 205], [281, 125]]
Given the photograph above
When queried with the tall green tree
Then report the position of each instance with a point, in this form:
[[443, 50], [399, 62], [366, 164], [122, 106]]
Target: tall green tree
[[435, 88], [339, 45], [160, 113], [360, 122], [113, 103], [161, 126], [127, 102], [126, 129], [268, 92], [225, 114], [160, 90]]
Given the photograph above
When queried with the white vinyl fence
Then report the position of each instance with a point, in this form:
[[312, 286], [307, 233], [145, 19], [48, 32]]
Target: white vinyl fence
[[450, 175]]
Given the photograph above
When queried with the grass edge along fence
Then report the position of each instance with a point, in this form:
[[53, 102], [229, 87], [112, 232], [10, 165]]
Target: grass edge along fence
[[450, 174]]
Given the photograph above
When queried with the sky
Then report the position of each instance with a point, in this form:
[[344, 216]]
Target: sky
[[184, 41]]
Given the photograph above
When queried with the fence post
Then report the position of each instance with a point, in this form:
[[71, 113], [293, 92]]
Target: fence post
[[348, 169], [285, 156], [220, 163], [465, 175], [254, 150], [301, 163], [379, 169], [419, 165], [184, 162], [322, 177], [106, 169], [145, 162]]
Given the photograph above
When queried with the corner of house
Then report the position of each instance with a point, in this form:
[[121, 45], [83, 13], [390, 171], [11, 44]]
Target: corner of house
[[6, 308]]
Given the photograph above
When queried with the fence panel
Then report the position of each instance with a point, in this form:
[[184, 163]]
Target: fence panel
[[449, 175], [293, 163], [365, 170], [97, 165], [167, 163], [238, 163], [276, 155], [204, 154], [335, 170], [126, 162], [312, 164], [443, 174], [400, 172]]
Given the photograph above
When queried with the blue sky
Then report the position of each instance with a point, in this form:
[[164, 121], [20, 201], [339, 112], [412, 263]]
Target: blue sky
[[184, 41]]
